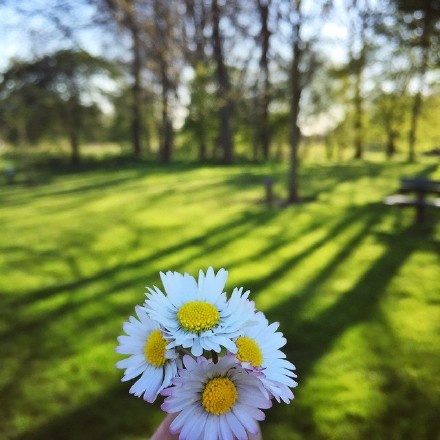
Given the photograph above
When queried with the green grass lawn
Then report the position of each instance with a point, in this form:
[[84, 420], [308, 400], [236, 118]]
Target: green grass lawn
[[354, 284]]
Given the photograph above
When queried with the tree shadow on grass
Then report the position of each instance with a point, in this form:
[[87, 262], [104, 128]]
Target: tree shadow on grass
[[105, 416], [114, 411], [410, 409], [314, 338], [95, 419], [218, 236], [366, 213], [75, 297]]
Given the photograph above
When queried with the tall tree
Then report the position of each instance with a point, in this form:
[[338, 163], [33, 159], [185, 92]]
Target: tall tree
[[264, 78], [361, 19], [126, 13], [60, 84], [295, 97], [224, 87], [166, 60], [195, 50], [422, 20], [297, 16]]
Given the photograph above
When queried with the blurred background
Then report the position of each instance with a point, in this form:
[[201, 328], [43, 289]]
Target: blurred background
[[262, 136]]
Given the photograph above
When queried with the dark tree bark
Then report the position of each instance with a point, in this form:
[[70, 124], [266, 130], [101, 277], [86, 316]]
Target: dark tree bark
[[264, 127], [426, 26], [167, 127], [358, 64], [358, 114], [163, 35], [124, 13], [197, 15], [391, 143], [418, 97], [136, 123], [224, 89], [296, 90], [73, 124]]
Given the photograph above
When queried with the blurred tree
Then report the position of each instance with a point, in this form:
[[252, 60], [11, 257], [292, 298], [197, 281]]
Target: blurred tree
[[223, 86], [422, 20], [264, 78], [56, 89], [199, 121], [126, 14], [362, 18], [390, 100], [300, 18], [295, 97], [165, 55]]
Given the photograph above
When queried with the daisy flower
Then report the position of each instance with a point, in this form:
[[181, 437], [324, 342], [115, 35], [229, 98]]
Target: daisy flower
[[215, 401], [197, 314], [149, 358], [258, 347]]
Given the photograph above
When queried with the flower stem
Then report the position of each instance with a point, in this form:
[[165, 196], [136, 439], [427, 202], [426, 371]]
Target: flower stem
[[214, 356]]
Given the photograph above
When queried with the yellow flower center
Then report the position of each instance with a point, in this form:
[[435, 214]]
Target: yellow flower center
[[155, 349], [249, 351], [198, 316], [219, 395]]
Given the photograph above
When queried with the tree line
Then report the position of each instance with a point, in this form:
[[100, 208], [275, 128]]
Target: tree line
[[223, 78]]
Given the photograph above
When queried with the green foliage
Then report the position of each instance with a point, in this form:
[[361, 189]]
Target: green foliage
[[353, 283], [201, 125], [52, 96]]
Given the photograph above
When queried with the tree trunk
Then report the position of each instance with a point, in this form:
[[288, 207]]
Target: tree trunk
[[417, 103], [125, 14], [264, 128], [296, 89], [167, 127], [391, 143], [358, 116], [358, 55], [196, 11], [136, 123], [73, 120], [163, 37], [224, 93], [74, 147]]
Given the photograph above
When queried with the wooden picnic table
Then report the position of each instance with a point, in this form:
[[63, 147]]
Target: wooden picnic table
[[418, 193]]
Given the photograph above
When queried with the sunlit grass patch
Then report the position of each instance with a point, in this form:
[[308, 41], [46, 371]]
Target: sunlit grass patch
[[353, 283]]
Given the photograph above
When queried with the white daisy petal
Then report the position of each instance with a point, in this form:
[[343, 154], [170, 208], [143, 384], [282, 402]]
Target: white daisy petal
[[129, 362], [177, 424], [211, 428], [236, 427], [225, 430], [245, 419], [196, 424], [131, 373], [221, 407], [257, 347], [196, 314], [150, 359]]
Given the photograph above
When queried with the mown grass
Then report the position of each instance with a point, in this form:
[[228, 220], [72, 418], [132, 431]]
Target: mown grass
[[353, 283]]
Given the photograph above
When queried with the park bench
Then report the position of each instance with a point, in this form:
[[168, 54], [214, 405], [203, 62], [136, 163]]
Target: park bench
[[416, 193]]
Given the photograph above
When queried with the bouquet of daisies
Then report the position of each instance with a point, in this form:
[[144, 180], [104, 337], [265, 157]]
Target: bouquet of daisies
[[216, 359]]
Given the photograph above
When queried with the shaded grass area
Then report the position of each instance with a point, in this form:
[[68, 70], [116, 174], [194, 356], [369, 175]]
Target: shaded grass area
[[353, 283]]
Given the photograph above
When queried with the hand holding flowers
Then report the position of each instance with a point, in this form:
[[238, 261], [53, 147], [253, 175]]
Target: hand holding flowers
[[216, 360]]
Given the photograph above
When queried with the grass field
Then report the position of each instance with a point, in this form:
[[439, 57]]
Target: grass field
[[354, 284]]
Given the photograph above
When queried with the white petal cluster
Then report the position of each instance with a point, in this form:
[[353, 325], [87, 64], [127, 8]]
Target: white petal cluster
[[217, 360], [277, 371], [154, 378], [194, 421]]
